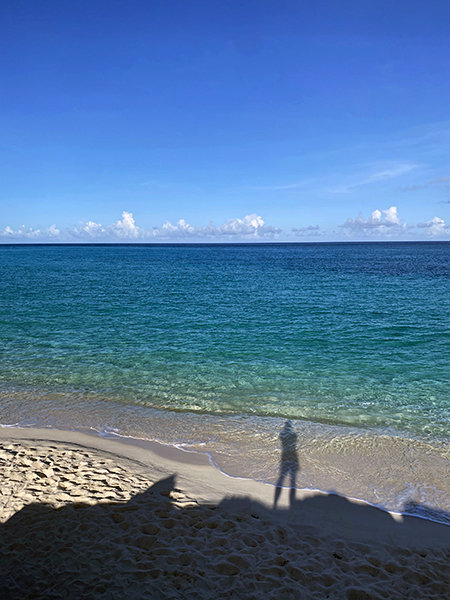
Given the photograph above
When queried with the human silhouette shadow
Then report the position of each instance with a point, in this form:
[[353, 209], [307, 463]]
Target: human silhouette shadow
[[289, 462], [157, 546]]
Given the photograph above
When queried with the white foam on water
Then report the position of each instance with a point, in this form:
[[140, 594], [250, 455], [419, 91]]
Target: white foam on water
[[382, 469]]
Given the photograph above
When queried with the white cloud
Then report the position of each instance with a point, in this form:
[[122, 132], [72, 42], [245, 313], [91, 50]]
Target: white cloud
[[391, 216], [180, 228], [125, 229], [28, 233], [91, 228], [22, 232], [53, 231], [435, 227], [250, 226], [384, 222], [381, 224]]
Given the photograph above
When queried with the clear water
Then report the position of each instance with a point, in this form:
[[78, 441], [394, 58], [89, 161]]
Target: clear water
[[213, 346]]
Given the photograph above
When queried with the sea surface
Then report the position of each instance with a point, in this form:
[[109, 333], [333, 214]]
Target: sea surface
[[212, 347]]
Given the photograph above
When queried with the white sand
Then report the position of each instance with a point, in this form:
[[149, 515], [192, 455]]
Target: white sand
[[85, 517]]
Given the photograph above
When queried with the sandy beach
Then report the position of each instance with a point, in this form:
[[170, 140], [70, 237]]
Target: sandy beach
[[88, 517]]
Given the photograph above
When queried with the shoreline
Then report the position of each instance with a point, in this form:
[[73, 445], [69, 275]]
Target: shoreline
[[179, 454], [395, 472], [89, 517], [202, 479]]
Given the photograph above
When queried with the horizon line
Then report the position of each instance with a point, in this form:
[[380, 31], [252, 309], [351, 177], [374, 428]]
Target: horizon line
[[288, 243]]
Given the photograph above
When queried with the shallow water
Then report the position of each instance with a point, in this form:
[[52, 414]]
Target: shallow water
[[214, 346]]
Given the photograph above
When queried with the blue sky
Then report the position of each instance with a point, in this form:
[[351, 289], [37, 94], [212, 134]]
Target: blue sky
[[224, 121]]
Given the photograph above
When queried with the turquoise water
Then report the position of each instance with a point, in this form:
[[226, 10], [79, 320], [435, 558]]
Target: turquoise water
[[349, 337]]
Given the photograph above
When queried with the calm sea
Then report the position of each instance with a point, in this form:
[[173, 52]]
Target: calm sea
[[212, 347]]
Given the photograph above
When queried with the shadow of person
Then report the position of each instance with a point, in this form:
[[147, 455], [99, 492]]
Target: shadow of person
[[289, 462]]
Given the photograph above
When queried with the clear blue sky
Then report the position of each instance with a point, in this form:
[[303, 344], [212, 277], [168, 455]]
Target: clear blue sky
[[246, 120]]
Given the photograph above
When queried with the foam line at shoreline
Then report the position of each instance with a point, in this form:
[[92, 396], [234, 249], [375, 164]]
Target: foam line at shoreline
[[180, 454], [397, 515]]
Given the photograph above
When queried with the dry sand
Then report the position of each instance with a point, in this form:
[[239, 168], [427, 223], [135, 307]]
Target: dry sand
[[84, 517]]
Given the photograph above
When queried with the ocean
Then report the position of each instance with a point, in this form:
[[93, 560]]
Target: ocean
[[212, 347]]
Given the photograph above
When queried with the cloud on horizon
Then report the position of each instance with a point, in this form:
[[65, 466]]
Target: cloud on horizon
[[435, 227], [249, 227], [28, 233], [386, 224], [381, 224]]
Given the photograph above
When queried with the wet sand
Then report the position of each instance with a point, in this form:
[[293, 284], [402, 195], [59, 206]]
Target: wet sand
[[88, 517]]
